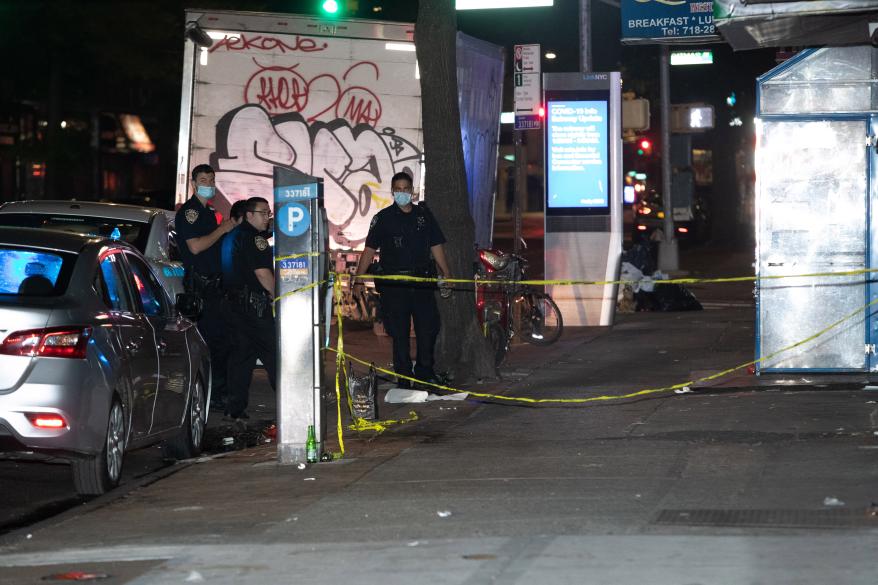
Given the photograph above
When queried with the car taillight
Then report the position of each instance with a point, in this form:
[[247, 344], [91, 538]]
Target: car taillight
[[63, 342], [46, 420]]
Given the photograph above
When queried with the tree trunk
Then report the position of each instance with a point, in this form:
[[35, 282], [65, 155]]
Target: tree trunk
[[462, 350]]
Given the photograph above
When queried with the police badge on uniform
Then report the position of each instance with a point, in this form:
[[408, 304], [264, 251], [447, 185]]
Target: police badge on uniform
[[261, 243], [191, 215], [422, 221]]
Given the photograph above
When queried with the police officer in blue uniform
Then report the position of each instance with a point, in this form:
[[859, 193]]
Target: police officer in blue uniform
[[198, 236], [406, 236], [248, 276]]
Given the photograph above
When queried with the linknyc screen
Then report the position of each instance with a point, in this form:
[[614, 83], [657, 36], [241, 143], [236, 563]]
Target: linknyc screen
[[577, 153]]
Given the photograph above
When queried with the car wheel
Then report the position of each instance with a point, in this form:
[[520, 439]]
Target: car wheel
[[187, 443], [99, 474]]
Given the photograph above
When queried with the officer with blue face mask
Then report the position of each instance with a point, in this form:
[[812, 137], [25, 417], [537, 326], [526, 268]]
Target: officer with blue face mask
[[409, 240], [198, 234]]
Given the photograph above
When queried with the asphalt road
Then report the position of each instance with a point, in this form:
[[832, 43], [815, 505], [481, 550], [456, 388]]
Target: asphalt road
[[34, 490]]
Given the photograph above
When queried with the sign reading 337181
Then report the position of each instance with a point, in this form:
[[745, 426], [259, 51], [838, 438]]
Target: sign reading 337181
[[666, 20]]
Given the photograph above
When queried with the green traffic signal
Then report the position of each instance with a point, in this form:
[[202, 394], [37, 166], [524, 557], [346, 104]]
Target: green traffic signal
[[330, 6]]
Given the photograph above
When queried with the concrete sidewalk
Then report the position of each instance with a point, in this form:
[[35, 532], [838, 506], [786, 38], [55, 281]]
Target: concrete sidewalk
[[740, 485]]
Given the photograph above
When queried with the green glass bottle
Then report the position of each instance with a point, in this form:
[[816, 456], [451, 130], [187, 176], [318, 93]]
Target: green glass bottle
[[311, 446]]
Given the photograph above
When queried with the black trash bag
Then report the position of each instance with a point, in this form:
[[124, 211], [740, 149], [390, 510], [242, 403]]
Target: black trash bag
[[674, 297], [640, 255], [363, 391]]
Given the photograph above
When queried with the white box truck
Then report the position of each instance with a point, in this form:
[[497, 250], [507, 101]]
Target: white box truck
[[340, 100]]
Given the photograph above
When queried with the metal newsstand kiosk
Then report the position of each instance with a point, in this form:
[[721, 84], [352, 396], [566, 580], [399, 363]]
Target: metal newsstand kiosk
[[816, 203]]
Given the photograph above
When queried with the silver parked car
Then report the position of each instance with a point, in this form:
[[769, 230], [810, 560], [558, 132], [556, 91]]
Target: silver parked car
[[94, 358], [148, 229]]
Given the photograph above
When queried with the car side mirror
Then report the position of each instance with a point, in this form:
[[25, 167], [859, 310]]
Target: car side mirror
[[189, 305]]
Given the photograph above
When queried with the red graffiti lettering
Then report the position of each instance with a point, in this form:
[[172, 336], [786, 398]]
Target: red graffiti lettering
[[277, 89], [263, 43], [358, 105], [283, 89]]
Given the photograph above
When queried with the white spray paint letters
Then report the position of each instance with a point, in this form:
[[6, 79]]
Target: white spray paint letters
[[346, 110]]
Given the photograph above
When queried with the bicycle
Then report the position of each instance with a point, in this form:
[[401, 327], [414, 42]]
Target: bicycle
[[497, 304]]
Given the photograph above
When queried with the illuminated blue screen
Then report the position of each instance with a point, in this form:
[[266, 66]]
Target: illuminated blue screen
[[577, 162], [38, 271]]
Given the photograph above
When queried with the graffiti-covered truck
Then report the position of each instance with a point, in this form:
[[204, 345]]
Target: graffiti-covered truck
[[340, 100]]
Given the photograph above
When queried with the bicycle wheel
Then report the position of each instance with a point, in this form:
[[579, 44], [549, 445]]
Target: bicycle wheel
[[541, 321]]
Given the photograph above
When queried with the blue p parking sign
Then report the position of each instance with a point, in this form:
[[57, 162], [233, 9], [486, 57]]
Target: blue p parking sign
[[293, 219]]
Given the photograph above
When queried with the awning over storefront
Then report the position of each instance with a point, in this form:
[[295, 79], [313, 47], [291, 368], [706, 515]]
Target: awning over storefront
[[754, 24]]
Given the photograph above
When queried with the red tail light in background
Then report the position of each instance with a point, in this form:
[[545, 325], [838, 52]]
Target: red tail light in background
[[63, 342]]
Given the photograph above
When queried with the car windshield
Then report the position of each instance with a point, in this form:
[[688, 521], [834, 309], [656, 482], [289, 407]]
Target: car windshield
[[133, 232], [26, 272]]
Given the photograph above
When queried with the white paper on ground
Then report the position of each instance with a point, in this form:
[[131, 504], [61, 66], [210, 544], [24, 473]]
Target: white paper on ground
[[455, 396], [403, 395]]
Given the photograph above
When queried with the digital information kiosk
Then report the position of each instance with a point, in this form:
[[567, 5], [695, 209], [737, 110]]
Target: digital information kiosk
[[583, 186]]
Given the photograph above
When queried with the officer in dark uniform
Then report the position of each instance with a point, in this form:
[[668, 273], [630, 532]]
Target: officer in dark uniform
[[248, 276], [198, 237], [406, 236]]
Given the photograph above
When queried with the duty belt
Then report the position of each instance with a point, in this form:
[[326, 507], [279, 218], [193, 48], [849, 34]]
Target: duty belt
[[202, 285], [256, 303]]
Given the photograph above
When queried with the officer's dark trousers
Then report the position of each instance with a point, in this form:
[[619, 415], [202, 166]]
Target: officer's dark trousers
[[254, 337], [399, 306], [214, 327]]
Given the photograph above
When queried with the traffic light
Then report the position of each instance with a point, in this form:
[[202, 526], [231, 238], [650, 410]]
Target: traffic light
[[330, 7], [644, 146]]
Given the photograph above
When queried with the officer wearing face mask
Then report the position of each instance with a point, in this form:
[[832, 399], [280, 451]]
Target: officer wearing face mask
[[198, 239], [407, 236]]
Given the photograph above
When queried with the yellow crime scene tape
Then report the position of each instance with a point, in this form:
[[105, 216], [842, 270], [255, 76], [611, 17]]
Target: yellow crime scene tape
[[360, 424], [399, 277]]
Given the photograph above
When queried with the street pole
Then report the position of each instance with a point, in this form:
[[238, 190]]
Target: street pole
[[668, 258], [520, 189], [585, 35]]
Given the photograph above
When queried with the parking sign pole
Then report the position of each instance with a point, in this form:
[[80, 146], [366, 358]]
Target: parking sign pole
[[527, 105], [520, 186]]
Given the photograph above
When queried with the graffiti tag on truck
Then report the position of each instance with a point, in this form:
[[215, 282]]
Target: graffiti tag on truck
[[281, 89], [241, 42], [356, 162]]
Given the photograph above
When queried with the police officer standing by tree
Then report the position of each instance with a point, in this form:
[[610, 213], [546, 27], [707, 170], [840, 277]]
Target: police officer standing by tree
[[198, 236], [406, 235], [249, 282]]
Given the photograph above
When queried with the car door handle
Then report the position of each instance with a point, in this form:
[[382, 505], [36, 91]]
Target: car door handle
[[162, 345], [133, 345]]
